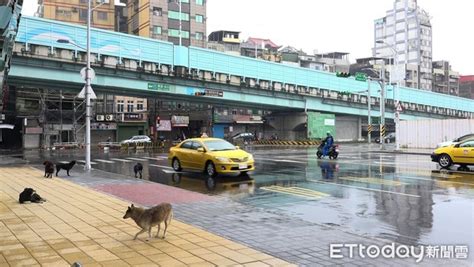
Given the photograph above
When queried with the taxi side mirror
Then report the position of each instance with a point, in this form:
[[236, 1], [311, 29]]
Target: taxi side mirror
[[201, 149], [456, 145]]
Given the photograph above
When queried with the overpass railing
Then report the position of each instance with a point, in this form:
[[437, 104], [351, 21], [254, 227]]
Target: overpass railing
[[143, 54]]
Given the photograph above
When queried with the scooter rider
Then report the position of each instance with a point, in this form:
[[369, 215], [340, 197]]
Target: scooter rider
[[328, 141]]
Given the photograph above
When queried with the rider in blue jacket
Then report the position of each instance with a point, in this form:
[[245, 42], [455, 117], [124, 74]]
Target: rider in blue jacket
[[327, 143]]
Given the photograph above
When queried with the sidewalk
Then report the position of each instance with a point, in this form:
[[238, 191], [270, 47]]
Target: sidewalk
[[78, 224]]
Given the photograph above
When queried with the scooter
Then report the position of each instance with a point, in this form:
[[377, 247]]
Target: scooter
[[332, 153]]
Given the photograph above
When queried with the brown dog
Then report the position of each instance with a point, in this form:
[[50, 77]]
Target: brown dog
[[147, 218], [48, 169]]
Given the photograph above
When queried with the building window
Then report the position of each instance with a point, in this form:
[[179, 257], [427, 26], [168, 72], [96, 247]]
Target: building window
[[199, 35], [102, 15], [130, 106], [83, 14], [199, 19], [83, 1], [120, 106], [140, 105], [157, 11], [175, 15], [157, 30], [63, 12], [175, 33], [200, 2]]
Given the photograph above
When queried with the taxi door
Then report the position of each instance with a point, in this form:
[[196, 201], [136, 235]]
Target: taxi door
[[464, 153], [197, 158]]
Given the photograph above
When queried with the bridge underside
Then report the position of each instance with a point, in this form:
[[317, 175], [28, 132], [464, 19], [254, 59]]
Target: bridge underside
[[43, 73]]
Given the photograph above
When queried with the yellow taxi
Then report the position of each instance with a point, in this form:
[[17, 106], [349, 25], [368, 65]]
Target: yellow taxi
[[211, 155], [461, 153]]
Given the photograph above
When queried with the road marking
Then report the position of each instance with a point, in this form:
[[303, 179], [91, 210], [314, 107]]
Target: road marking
[[281, 160], [104, 161], [156, 158], [160, 166], [137, 159], [372, 180], [63, 162], [363, 188], [295, 191], [84, 162], [169, 171], [122, 160]]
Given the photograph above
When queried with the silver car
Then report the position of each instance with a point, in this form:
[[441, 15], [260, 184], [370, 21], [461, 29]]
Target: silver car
[[137, 139]]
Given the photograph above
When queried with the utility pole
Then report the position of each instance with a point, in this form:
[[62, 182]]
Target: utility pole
[[369, 117], [382, 106]]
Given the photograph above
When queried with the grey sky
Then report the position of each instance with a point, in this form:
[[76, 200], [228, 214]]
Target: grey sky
[[339, 25]]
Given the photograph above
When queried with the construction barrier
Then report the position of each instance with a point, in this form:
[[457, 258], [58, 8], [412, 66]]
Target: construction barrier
[[68, 145], [288, 143], [144, 145]]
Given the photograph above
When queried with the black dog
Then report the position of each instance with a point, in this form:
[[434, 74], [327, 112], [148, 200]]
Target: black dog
[[65, 166], [29, 194], [48, 169], [138, 168]]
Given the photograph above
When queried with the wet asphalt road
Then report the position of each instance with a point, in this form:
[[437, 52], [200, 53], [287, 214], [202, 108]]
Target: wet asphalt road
[[399, 197]]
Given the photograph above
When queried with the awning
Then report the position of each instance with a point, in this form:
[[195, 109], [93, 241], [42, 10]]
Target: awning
[[7, 126], [249, 122]]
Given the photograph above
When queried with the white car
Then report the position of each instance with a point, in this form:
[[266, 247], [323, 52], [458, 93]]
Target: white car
[[457, 140], [137, 139]]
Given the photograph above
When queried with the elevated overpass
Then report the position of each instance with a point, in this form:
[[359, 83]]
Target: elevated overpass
[[141, 66]]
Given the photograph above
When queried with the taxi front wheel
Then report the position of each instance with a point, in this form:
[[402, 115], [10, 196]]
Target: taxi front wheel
[[445, 161]]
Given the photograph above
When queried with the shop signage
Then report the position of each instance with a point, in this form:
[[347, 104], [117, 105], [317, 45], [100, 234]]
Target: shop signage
[[133, 116], [205, 92], [164, 126], [180, 121], [159, 87], [103, 126]]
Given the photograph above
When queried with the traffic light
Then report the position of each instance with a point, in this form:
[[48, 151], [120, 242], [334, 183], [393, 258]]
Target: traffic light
[[343, 74]]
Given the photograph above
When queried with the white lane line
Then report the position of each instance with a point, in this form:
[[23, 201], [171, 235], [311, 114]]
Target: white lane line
[[122, 160], [84, 162], [137, 159], [169, 171], [363, 188], [63, 162], [104, 161], [156, 158], [160, 166]]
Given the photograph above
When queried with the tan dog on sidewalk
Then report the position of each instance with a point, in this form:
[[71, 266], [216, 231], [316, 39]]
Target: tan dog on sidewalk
[[147, 218]]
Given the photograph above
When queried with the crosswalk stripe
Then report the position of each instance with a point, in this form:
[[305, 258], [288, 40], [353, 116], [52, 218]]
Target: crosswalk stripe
[[122, 160], [104, 161], [63, 162], [137, 159], [156, 158], [84, 162], [169, 171], [160, 166]]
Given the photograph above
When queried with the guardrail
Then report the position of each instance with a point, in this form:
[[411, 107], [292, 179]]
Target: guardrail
[[288, 143], [145, 145], [67, 145]]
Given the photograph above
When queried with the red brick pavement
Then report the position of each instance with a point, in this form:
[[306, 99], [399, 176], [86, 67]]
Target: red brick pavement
[[150, 194]]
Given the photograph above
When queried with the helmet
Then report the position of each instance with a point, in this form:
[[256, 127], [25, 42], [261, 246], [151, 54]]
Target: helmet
[[328, 132]]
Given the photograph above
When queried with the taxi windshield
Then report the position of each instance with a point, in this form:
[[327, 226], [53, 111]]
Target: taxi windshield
[[218, 145]]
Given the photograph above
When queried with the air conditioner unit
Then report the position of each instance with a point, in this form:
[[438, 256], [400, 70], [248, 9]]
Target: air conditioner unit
[[74, 9], [109, 117], [99, 117]]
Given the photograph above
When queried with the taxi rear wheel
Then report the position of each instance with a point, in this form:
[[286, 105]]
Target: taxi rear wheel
[[445, 161]]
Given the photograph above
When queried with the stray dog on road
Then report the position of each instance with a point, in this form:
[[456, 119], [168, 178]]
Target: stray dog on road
[[147, 218], [29, 194], [65, 166], [138, 169], [48, 169]]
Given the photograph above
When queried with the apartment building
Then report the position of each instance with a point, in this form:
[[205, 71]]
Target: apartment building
[[160, 19], [75, 11], [445, 80], [405, 34]]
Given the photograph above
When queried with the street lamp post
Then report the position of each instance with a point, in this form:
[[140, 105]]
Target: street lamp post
[[395, 91], [88, 78]]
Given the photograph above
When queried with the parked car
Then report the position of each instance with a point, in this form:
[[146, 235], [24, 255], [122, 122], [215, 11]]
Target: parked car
[[457, 140], [137, 139], [244, 137], [211, 155], [389, 138], [461, 153]]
